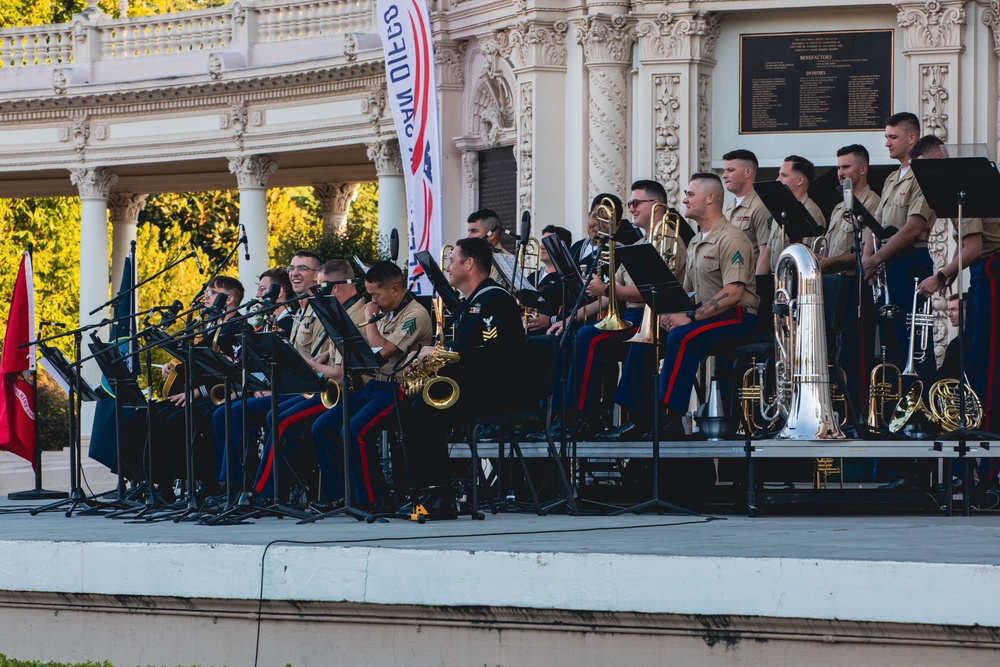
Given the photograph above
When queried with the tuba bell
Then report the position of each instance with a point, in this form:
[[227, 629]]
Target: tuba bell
[[802, 376]]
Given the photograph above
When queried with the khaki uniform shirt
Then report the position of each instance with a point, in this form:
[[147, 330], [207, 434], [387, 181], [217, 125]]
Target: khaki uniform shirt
[[409, 328], [623, 278], [721, 258], [840, 232], [988, 227], [750, 217], [776, 238], [306, 331], [901, 198], [356, 312]]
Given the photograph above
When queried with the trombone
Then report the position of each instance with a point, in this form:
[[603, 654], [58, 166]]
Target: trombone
[[665, 237], [613, 320]]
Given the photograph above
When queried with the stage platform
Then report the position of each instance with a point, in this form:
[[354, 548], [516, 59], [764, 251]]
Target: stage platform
[[515, 589]]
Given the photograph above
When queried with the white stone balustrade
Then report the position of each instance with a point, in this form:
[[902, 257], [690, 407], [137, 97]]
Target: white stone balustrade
[[37, 45]]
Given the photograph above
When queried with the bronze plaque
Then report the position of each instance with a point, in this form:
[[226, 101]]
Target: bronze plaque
[[816, 81]]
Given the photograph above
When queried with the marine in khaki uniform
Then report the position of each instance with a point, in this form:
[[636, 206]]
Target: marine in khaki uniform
[[745, 211], [797, 173], [852, 163], [720, 274]]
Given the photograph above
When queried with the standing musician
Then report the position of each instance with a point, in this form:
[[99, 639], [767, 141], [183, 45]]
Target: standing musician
[[403, 325], [305, 334], [489, 337], [546, 281], [904, 256], [297, 413], [281, 318], [797, 173], [746, 211], [852, 163], [720, 274]]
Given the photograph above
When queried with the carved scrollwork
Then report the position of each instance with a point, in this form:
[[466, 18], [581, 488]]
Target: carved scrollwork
[[671, 36], [239, 14], [666, 116], [933, 24], [934, 100], [524, 146], [252, 171], [535, 44], [373, 104], [385, 154], [350, 47], [124, 207], [704, 89], [334, 204], [93, 183], [450, 61], [608, 130], [215, 66], [60, 82], [606, 39], [81, 132]]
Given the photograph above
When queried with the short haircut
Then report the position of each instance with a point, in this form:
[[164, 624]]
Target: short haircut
[[487, 216], [308, 253], [857, 150], [924, 145], [714, 182], [742, 155], [338, 269], [953, 297], [479, 251], [385, 272], [279, 276], [803, 166], [229, 285], [652, 189], [561, 232], [905, 120], [615, 201]]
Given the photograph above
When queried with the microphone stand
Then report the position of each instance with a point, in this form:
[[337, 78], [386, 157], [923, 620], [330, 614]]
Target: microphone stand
[[135, 287], [858, 228], [225, 261]]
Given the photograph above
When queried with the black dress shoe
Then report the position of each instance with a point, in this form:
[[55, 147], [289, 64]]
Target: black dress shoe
[[626, 431], [669, 430], [901, 483]]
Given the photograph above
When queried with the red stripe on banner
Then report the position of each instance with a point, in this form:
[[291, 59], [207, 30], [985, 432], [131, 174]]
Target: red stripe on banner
[[425, 240], [590, 362], [991, 369], [282, 425], [365, 467], [421, 89], [684, 341]]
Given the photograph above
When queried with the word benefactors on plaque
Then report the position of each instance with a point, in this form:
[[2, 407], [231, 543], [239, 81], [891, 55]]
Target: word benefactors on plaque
[[816, 81]]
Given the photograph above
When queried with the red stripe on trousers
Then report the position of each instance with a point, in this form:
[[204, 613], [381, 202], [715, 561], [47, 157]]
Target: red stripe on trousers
[[684, 341], [990, 370], [282, 425], [590, 362], [369, 491]]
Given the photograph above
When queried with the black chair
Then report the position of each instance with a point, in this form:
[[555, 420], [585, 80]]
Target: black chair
[[540, 355]]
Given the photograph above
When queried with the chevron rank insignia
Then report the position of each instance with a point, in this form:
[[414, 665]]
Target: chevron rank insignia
[[489, 331], [409, 326], [737, 258]]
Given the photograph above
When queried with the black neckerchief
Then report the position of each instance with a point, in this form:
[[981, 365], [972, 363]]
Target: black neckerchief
[[407, 298], [350, 302]]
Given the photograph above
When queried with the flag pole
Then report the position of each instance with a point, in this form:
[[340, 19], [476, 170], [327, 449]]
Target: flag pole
[[37, 493]]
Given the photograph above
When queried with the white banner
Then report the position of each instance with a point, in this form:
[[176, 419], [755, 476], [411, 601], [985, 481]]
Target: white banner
[[404, 26]]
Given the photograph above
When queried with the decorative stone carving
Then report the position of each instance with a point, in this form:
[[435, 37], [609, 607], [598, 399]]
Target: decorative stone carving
[[450, 60], [934, 100], [215, 66], [941, 251], [933, 24], [991, 17], [81, 132], [124, 207], [534, 44], [704, 90], [666, 118], [62, 133], [258, 118], [79, 32], [350, 47], [373, 104], [239, 14], [93, 182], [385, 154], [470, 160], [670, 36], [235, 118], [491, 124], [334, 205], [60, 83], [252, 171], [524, 146], [492, 116], [100, 131], [606, 40]]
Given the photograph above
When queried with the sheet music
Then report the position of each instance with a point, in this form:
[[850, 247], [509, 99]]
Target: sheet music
[[514, 278], [361, 265]]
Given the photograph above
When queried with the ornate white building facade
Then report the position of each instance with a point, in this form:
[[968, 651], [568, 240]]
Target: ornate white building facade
[[587, 96]]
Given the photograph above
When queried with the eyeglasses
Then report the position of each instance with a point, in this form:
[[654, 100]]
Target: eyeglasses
[[301, 268], [635, 202]]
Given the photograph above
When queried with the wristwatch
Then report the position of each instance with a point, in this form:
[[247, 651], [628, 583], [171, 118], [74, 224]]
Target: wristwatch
[[690, 315], [940, 276]]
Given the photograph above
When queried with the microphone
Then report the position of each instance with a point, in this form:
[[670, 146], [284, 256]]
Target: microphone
[[245, 242], [169, 316], [197, 260], [500, 230], [50, 323], [273, 292], [394, 245], [218, 306], [525, 228], [848, 197]]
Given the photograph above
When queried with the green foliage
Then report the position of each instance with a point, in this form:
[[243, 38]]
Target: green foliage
[[13, 662], [52, 409], [14, 13], [211, 218]]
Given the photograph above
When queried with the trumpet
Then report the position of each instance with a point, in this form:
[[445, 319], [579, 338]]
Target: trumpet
[[925, 322], [613, 320], [880, 290], [665, 237]]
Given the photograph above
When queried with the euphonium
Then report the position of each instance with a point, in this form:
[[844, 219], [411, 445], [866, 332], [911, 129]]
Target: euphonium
[[613, 320], [802, 376], [665, 237], [881, 392], [820, 246]]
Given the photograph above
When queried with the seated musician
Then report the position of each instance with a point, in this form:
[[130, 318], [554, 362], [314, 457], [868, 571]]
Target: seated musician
[[798, 174], [306, 333], [720, 274], [489, 337], [281, 317], [298, 413], [168, 446], [485, 224], [403, 325], [546, 282]]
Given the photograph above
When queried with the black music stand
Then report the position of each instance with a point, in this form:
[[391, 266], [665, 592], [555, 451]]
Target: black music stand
[[663, 294], [356, 355], [452, 301], [787, 211], [959, 188]]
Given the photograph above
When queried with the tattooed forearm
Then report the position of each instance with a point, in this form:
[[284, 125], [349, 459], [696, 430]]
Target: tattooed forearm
[[711, 306]]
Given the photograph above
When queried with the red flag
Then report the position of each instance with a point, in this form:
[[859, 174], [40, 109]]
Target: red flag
[[17, 368]]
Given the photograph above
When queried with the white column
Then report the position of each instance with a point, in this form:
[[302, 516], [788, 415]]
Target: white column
[[334, 205], [252, 173], [392, 208], [94, 186], [124, 209]]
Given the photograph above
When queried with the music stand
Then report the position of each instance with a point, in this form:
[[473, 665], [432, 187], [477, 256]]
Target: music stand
[[787, 211], [957, 188], [663, 294], [356, 355], [448, 295]]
